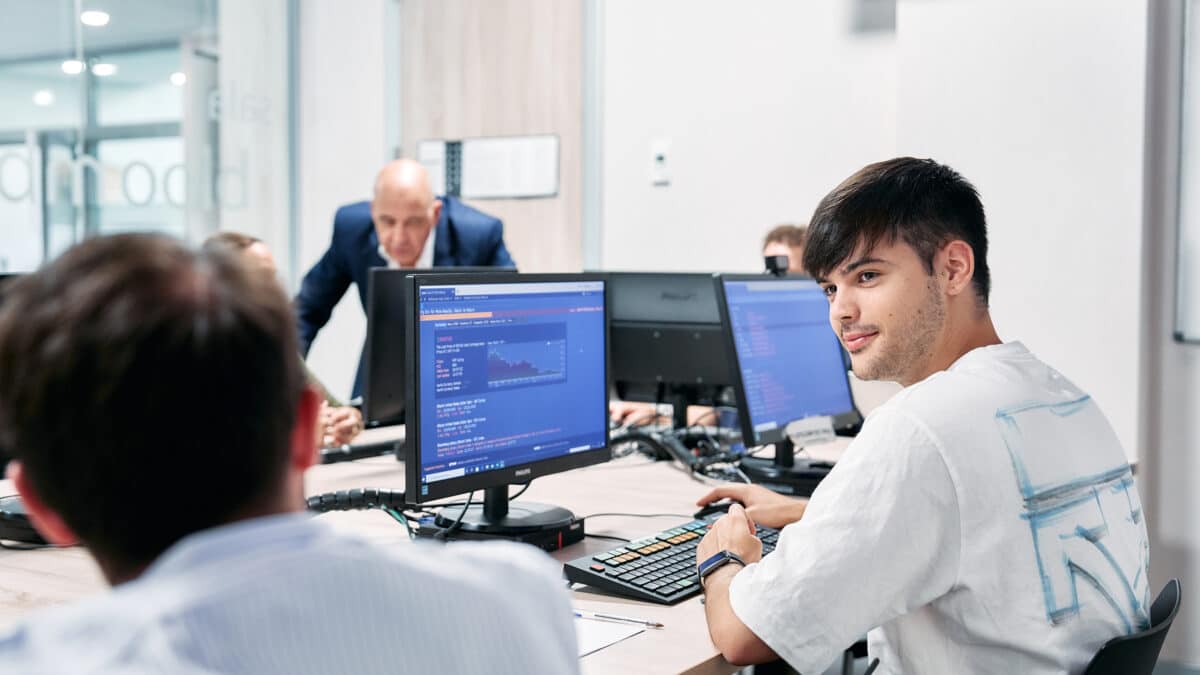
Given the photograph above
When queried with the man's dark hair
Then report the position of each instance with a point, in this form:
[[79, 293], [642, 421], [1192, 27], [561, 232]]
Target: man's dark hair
[[789, 235], [918, 201], [148, 390]]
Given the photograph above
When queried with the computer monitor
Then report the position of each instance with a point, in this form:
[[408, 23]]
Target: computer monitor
[[508, 381], [788, 366], [667, 341], [383, 353]]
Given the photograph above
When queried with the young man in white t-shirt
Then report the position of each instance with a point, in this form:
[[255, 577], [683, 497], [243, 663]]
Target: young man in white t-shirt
[[985, 520]]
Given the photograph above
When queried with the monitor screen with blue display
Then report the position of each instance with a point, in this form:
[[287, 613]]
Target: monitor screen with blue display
[[789, 360], [510, 380]]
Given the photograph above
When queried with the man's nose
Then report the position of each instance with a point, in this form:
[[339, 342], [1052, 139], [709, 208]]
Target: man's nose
[[844, 308]]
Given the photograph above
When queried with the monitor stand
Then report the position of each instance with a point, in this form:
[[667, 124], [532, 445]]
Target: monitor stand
[[679, 406], [543, 525], [785, 474]]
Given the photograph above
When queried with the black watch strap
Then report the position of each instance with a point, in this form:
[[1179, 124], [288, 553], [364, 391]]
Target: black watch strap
[[716, 562]]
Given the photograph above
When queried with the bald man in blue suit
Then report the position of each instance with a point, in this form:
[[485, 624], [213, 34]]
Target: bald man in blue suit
[[403, 226]]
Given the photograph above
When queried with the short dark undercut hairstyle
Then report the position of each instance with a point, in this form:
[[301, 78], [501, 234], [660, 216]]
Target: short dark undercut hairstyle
[[918, 201], [149, 391]]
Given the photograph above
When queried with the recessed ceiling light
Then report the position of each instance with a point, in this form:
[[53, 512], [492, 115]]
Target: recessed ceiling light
[[94, 17], [103, 69], [43, 97], [178, 79], [72, 66]]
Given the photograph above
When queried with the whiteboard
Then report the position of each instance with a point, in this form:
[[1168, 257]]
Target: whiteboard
[[510, 167]]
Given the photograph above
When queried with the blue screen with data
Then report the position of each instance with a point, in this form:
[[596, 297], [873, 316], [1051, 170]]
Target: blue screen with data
[[509, 374], [790, 360]]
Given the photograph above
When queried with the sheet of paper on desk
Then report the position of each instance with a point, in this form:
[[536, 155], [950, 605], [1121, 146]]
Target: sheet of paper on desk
[[594, 634]]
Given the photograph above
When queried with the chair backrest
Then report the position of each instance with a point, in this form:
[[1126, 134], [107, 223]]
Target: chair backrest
[[1136, 654]]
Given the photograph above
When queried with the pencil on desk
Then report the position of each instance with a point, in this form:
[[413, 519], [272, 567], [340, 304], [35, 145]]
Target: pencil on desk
[[620, 619]]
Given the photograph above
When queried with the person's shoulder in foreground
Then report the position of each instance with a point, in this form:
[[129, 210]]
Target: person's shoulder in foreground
[[156, 413], [289, 594]]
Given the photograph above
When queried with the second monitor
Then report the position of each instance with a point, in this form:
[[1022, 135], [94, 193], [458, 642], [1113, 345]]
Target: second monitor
[[788, 367], [667, 340]]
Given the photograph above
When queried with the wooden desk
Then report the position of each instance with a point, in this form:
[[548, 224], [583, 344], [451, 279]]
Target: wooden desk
[[38, 578]]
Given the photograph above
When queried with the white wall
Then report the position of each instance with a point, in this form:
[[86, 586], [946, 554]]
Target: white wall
[[1040, 104], [766, 106], [344, 136]]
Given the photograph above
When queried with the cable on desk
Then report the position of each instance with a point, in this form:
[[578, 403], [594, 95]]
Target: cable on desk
[[605, 536], [447, 531], [358, 498], [403, 520], [521, 491]]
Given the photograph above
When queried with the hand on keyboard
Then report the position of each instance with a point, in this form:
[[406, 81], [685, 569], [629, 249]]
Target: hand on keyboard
[[767, 508], [734, 532], [659, 568]]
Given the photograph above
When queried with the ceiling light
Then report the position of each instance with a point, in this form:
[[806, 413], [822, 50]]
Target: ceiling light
[[72, 66], [43, 97], [103, 69], [94, 17], [178, 79]]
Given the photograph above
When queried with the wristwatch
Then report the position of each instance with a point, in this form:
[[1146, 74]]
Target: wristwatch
[[715, 562]]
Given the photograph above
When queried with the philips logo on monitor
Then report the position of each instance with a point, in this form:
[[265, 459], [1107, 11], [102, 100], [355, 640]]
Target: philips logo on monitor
[[677, 297], [523, 472]]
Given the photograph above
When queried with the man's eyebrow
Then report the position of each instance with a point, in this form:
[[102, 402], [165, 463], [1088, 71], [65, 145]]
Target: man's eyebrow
[[862, 262]]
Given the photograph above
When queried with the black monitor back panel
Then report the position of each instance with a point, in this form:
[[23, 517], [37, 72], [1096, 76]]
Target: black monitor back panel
[[383, 383], [666, 328]]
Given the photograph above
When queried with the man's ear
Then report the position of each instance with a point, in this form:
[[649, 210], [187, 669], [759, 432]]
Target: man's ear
[[437, 211], [47, 521], [305, 446], [956, 266]]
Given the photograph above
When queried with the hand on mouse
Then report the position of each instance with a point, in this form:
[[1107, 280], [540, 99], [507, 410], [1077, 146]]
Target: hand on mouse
[[767, 508]]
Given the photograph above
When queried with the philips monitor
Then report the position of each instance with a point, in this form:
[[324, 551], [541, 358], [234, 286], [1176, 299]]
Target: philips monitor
[[507, 382], [788, 366], [667, 342], [383, 362]]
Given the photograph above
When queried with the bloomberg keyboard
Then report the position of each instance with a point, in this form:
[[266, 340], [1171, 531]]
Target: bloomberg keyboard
[[660, 568]]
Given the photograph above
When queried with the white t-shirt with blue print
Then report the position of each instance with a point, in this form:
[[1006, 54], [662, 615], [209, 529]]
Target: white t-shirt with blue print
[[984, 521]]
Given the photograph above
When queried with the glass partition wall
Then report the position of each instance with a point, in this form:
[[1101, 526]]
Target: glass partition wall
[[142, 115]]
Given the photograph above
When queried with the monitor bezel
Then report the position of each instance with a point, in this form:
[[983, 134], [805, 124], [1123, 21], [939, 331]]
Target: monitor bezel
[[845, 423], [375, 275], [509, 475]]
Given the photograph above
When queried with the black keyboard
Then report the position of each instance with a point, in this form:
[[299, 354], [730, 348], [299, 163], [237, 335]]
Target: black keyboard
[[660, 568]]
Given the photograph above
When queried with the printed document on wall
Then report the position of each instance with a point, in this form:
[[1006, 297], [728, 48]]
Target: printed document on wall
[[510, 167]]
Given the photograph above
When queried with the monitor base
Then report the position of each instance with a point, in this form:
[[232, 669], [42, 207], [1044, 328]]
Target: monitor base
[[547, 527], [798, 480]]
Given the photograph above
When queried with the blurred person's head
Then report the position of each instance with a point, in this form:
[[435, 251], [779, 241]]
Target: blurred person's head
[[148, 392], [900, 248], [786, 240], [235, 242], [404, 210]]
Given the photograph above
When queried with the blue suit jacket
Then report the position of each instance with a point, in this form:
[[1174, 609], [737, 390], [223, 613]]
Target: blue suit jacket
[[464, 237]]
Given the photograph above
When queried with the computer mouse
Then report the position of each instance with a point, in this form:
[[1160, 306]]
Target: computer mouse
[[715, 507]]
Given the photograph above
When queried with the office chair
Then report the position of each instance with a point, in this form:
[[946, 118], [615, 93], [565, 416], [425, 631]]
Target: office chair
[[1136, 654]]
